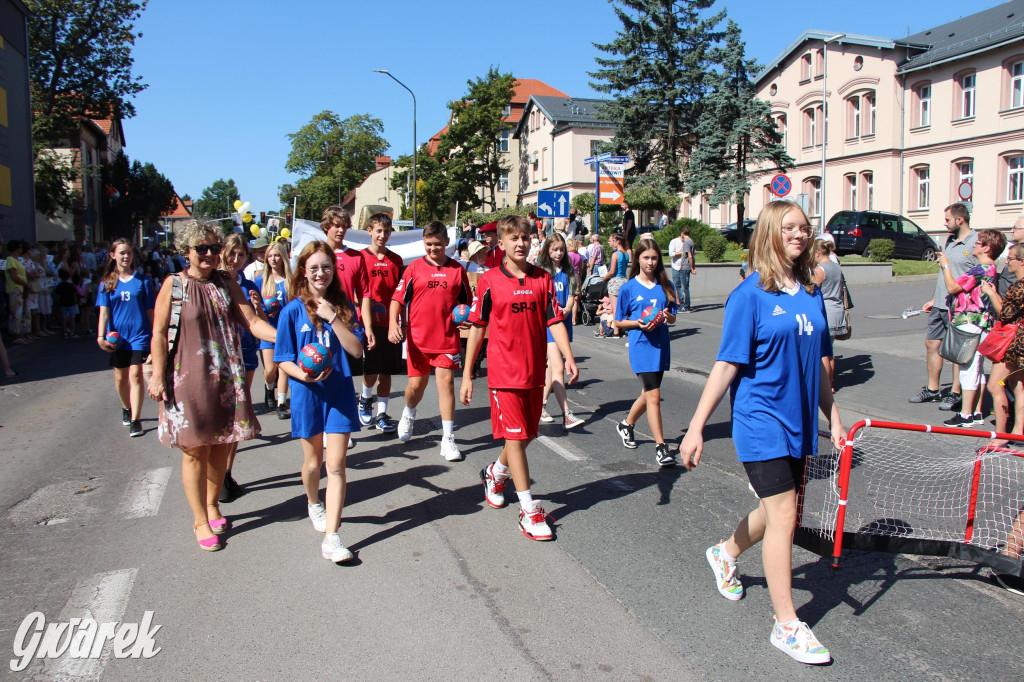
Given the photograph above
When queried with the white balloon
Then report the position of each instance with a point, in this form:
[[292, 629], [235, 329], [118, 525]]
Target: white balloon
[[245, 208], [263, 232]]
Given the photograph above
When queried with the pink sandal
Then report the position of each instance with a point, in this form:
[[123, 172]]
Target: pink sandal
[[209, 544], [219, 526]]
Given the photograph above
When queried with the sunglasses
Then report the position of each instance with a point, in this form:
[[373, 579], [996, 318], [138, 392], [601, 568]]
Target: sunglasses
[[204, 249]]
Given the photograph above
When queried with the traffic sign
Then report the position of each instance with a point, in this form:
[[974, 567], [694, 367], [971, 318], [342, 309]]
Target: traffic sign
[[605, 158], [965, 190], [402, 223], [552, 204], [610, 183], [781, 185], [594, 159]]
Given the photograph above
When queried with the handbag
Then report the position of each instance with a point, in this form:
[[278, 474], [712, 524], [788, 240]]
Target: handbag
[[959, 345], [998, 340], [849, 329]]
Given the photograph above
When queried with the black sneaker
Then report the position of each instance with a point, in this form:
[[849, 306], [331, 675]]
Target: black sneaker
[[626, 433], [959, 421], [230, 490], [126, 416], [664, 457], [950, 402], [384, 423], [269, 398], [284, 410], [135, 428], [926, 396], [979, 418]]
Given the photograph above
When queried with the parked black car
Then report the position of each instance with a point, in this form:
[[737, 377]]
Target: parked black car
[[732, 234], [854, 230]]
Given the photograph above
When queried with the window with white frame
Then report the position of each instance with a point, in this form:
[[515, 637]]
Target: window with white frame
[[1017, 85], [780, 125], [503, 141], [1015, 178], [805, 67], [594, 145], [965, 172], [812, 126], [922, 191], [869, 118], [507, 110], [853, 109], [812, 188], [503, 183], [867, 180], [851, 192], [924, 105], [967, 84]]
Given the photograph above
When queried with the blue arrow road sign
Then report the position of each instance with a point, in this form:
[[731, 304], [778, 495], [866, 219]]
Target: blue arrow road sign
[[552, 204]]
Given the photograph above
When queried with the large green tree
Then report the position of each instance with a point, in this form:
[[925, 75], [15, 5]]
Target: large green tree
[[144, 192], [217, 200], [432, 188], [470, 152], [80, 66], [657, 74], [737, 140], [333, 156]]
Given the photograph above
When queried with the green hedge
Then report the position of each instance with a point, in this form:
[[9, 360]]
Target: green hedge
[[714, 246], [881, 250]]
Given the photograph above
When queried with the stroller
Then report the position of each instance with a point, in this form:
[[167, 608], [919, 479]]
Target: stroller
[[593, 290]]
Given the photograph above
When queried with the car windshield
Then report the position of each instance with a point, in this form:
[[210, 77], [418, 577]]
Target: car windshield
[[843, 219]]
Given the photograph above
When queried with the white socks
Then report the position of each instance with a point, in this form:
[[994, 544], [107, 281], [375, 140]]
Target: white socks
[[367, 392], [526, 500], [409, 412], [725, 555], [500, 469], [382, 405], [282, 398], [446, 427]]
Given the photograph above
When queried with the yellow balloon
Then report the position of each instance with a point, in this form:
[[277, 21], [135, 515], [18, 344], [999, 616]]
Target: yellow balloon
[[238, 204], [255, 230], [286, 233], [247, 217]]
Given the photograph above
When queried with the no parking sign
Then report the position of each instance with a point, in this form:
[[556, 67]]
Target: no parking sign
[[781, 185]]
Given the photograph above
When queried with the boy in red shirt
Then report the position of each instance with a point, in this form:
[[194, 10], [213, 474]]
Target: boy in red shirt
[[429, 290], [383, 270], [351, 271], [516, 302]]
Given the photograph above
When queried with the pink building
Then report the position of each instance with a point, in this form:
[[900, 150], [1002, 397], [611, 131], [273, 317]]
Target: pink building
[[902, 124]]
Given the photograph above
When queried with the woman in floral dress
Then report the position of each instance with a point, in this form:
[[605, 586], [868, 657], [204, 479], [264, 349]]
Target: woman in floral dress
[[200, 379]]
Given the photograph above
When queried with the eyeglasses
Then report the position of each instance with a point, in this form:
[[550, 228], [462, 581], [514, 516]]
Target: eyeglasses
[[1010, 258], [319, 268], [806, 230], [204, 249]]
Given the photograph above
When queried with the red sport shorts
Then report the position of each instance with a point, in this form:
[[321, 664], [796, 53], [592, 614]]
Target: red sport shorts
[[419, 363], [515, 412]]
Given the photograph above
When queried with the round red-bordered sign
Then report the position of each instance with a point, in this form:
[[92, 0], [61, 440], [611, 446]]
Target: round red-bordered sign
[[781, 185], [965, 190]]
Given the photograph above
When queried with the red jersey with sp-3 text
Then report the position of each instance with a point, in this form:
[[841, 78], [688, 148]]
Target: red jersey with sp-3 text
[[351, 271], [383, 272], [429, 293], [517, 313]]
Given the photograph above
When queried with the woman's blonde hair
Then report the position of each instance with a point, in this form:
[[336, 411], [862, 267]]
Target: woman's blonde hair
[[269, 287], [768, 253], [194, 231]]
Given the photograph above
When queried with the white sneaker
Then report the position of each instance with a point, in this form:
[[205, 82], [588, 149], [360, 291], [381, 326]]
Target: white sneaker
[[533, 525], [545, 417], [405, 428], [318, 515], [332, 549], [449, 450], [799, 642], [570, 421], [725, 573], [494, 487]]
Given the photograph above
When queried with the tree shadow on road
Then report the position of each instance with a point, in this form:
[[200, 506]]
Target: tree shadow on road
[[853, 370]]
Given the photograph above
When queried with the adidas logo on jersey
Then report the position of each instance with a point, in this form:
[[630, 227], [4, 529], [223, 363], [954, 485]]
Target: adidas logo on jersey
[[640, 297], [305, 328], [778, 311]]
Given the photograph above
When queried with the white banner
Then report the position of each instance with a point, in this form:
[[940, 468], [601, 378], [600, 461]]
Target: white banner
[[408, 244]]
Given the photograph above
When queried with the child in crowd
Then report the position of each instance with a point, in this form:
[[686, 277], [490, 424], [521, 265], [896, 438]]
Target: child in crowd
[[384, 357], [351, 272], [126, 303], [86, 295], [428, 292], [607, 316], [273, 286], [324, 404], [649, 348], [515, 302], [553, 259], [66, 296]]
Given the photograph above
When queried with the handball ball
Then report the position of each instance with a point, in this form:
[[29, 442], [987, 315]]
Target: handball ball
[[114, 338], [314, 358], [460, 313], [271, 304], [651, 314]]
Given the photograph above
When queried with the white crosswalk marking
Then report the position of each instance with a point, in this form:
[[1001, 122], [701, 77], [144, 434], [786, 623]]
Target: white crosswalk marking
[[144, 494], [560, 450]]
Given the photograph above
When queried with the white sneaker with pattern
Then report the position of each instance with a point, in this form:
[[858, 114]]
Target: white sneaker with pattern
[[725, 573], [797, 640]]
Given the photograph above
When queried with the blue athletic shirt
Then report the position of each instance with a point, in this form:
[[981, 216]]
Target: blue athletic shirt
[[128, 304], [295, 331], [648, 351], [561, 282], [778, 341], [281, 289], [250, 344]]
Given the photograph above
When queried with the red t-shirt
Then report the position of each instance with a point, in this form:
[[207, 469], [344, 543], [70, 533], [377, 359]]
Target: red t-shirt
[[517, 313], [351, 270], [430, 293], [494, 257], [383, 273]]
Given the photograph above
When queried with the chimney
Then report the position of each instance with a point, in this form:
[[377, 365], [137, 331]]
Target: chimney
[[383, 162]]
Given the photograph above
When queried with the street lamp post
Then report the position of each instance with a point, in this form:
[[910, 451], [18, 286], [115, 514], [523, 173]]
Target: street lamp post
[[388, 74], [824, 124]]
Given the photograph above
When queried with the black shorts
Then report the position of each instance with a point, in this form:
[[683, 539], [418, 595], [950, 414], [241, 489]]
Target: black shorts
[[122, 358], [355, 365], [775, 476], [385, 357], [650, 380]]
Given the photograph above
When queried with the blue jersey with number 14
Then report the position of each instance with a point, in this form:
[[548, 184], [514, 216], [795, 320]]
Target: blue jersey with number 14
[[129, 304]]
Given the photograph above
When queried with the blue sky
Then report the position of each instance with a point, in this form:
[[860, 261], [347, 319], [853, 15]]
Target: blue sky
[[228, 80]]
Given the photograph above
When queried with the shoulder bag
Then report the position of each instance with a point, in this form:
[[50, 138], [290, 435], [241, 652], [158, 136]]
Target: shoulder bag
[[998, 341]]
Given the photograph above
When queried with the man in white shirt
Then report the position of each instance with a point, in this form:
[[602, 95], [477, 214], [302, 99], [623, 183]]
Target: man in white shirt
[[258, 247], [680, 252]]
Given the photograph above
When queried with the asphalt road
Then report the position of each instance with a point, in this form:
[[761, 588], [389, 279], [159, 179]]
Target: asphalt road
[[445, 587]]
